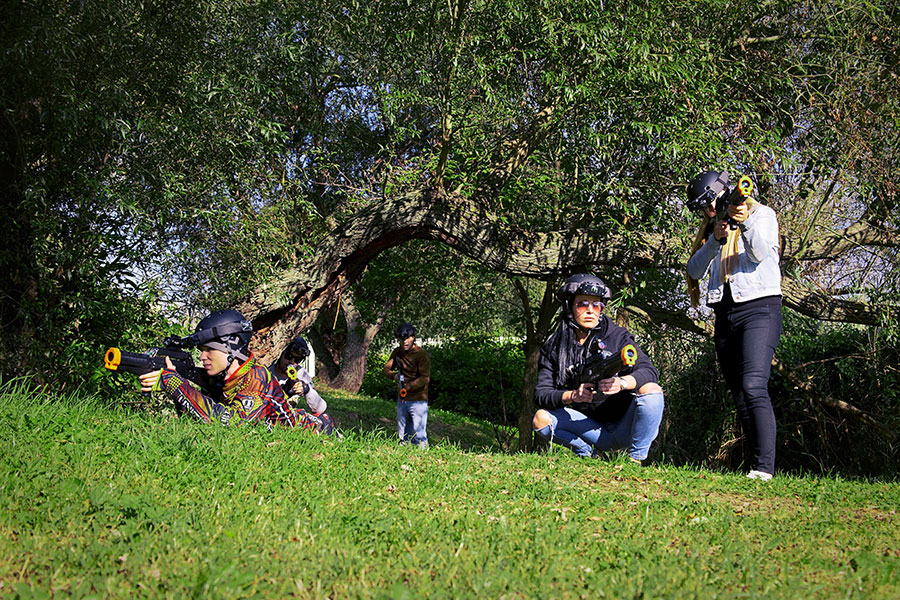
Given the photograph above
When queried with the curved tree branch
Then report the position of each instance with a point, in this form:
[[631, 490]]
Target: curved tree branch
[[291, 304], [808, 301]]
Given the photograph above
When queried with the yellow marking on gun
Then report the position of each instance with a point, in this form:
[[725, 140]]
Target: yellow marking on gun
[[291, 372], [629, 355], [112, 359], [745, 186]]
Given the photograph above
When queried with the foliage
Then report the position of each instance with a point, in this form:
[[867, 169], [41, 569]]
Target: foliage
[[471, 299], [814, 435], [99, 502], [476, 376], [854, 364], [126, 146], [699, 416]]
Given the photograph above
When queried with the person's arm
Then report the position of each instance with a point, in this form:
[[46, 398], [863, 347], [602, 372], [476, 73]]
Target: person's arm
[[314, 401], [760, 234], [189, 398], [546, 392], [698, 265], [388, 369]]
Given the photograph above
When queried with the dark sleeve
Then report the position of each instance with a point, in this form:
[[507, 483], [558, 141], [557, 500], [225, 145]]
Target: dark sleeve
[[643, 370], [423, 373], [389, 371], [547, 392]]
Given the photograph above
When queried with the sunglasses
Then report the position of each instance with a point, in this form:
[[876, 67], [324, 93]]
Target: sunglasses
[[583, 304]]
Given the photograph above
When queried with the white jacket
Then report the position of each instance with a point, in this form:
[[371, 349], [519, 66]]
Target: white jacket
[[758, 273]]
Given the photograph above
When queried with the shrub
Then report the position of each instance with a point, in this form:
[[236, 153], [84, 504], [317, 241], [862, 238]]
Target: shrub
[[848, 363], [474, 376]]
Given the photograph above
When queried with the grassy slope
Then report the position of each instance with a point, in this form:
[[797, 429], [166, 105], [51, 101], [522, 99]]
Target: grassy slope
[[109, 503]]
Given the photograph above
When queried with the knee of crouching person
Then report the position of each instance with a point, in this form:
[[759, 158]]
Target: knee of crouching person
[[541, 419], [650, 388]]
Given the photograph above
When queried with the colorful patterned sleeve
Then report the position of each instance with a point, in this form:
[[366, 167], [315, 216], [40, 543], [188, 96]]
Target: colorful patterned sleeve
[[260, 399], [189, 398]]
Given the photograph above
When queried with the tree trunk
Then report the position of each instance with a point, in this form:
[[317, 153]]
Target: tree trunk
[[356, 346], [352, 347], [353, 363], [323, 345], [534, 337]]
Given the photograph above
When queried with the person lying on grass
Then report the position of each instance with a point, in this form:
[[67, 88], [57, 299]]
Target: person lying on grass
[[617, 413], [241, 388], [296, 383]]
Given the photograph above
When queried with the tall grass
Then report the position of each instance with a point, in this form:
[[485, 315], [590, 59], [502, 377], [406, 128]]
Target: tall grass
[[100, 502]]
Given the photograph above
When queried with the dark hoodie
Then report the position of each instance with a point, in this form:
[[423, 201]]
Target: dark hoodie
[[561, 350]]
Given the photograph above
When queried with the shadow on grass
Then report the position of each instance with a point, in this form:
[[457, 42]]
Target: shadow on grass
[[374, 415]]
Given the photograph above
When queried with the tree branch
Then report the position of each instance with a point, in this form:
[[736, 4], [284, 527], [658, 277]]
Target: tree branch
[[809, 391], [802, 298], [284, 307], [857, 235], [519, 149]]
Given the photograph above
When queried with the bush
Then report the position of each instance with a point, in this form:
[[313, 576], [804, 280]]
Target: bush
[[698, 421], [473, 376], [62, 344], [852, 364], [848, 363]]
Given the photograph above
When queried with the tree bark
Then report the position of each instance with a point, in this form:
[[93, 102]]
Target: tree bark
[[343, 356], [536, 332]]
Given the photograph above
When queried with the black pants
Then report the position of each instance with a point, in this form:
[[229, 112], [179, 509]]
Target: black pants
[[746, 335]]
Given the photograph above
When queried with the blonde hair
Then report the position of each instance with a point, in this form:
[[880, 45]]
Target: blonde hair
[[728, 257]]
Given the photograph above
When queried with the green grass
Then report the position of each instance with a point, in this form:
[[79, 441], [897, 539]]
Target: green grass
[[108, 503]]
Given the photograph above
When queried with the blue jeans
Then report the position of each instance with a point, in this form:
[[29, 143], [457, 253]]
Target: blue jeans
[[634, 432], [412, 417], [746, 336]]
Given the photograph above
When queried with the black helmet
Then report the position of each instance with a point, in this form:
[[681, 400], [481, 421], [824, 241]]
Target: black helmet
[[404, 330], [583, 283], [705, 188], [226, 330], [297, 349]]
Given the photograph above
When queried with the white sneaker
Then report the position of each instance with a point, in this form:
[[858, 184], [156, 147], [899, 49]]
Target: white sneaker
[[761, 475]]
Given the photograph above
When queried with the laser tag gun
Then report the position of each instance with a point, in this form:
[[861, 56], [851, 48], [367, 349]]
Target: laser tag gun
[[735, 196], [401, 380], [602, 365], [154, 359], [294, 375]]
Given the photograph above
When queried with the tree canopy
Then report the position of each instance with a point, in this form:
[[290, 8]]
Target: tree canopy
[[264, 154]]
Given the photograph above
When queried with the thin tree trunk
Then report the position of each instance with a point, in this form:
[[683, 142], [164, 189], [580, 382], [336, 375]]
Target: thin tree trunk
[[534, 337]]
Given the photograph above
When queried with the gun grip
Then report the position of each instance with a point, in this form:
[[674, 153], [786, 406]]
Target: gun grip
[[629, 355], [112, 359]]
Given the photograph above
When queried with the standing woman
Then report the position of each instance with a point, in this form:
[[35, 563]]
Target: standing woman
[[741, 256]]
